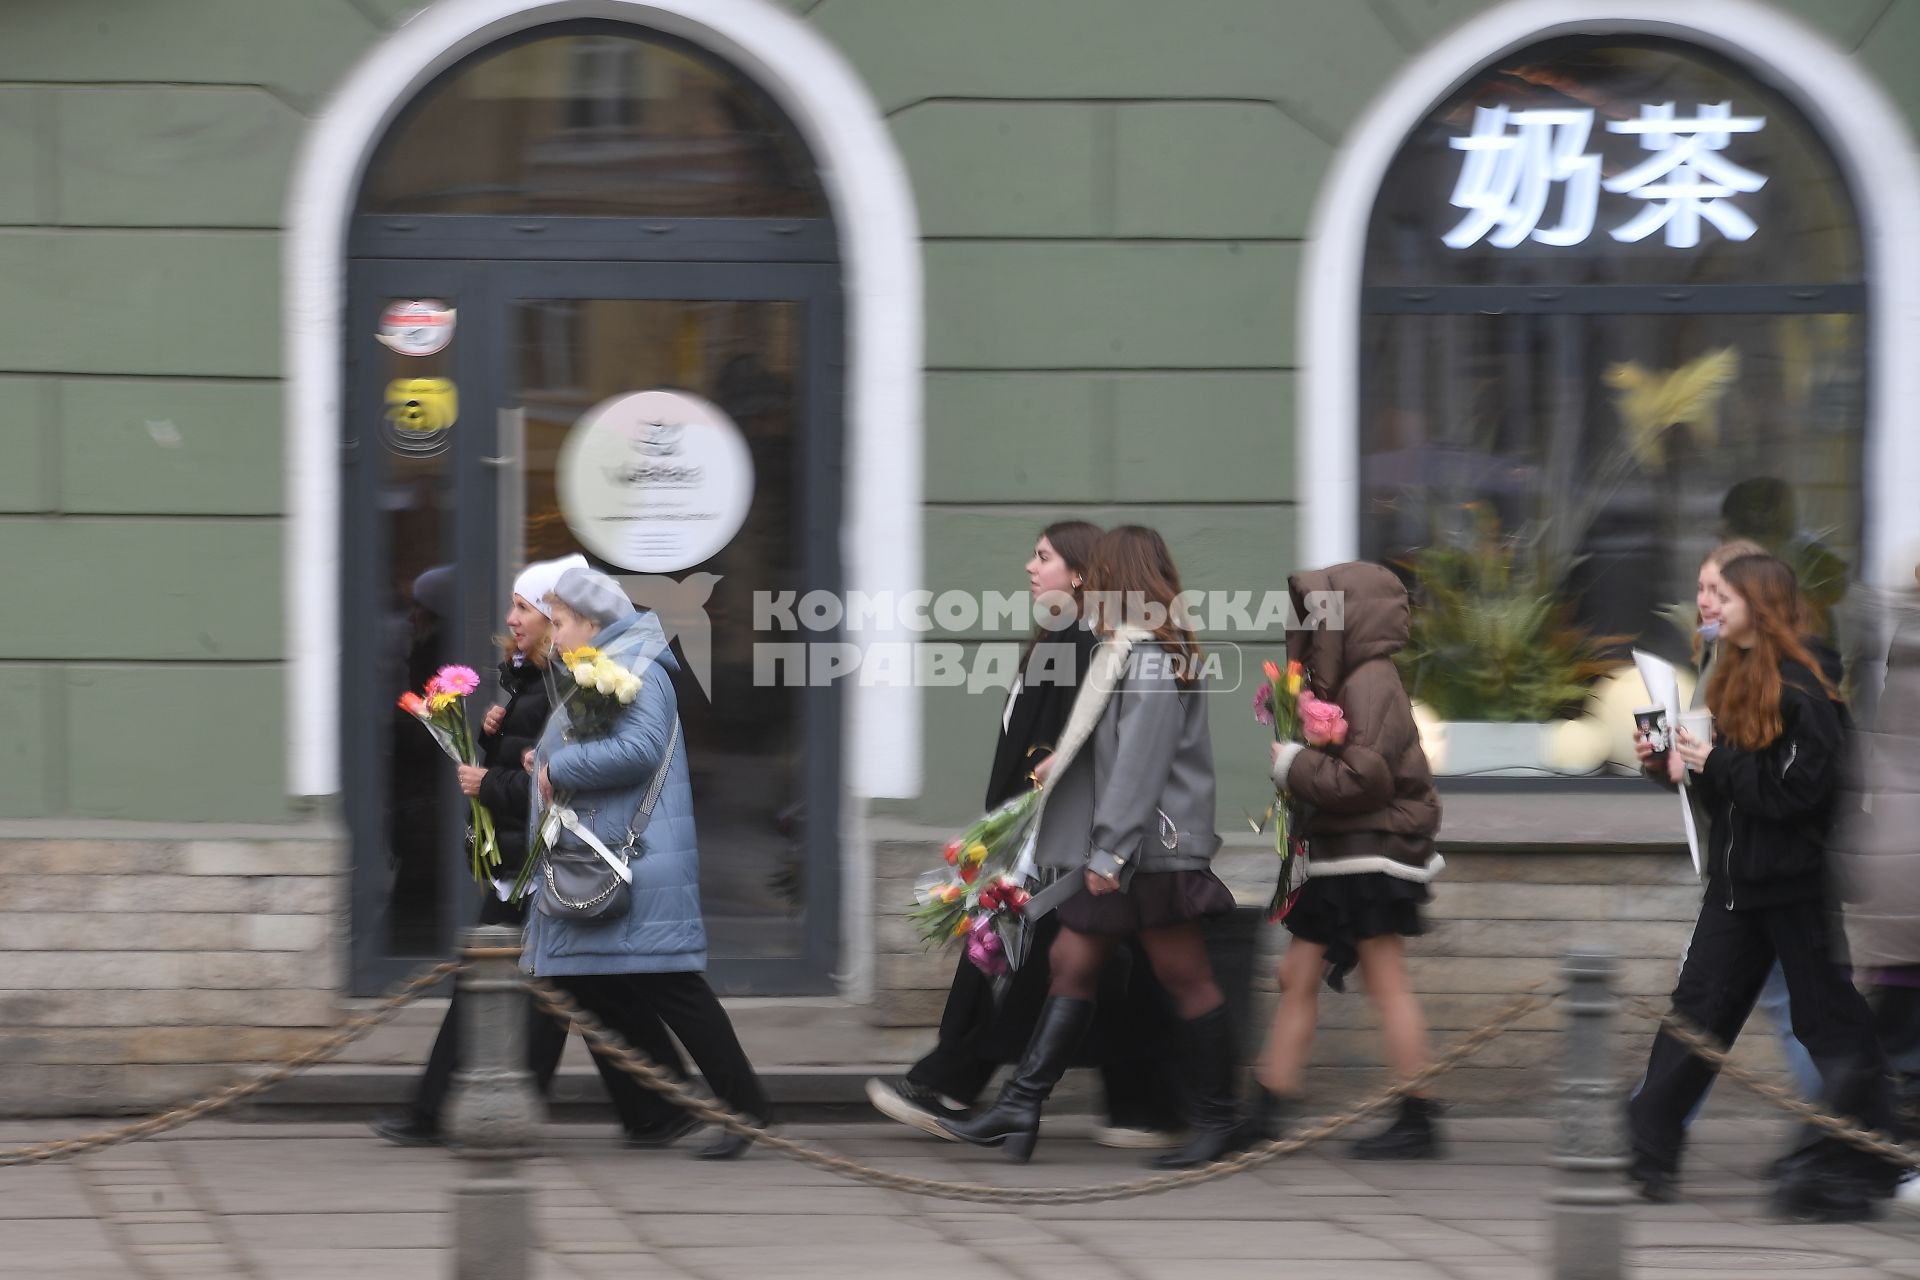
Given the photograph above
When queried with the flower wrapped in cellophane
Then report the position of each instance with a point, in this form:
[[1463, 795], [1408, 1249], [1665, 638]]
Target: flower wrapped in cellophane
[[594, 686], [978, 896], [442, 708], [1284, 702]]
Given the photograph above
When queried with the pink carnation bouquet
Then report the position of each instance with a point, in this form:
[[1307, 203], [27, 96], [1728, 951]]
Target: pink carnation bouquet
[[442, 708]]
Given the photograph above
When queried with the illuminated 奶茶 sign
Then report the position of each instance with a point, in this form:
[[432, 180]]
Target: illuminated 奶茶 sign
[[1515, 158]]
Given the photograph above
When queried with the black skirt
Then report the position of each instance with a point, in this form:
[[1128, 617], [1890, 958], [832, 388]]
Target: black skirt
[[1338, 912], [1152, 900]]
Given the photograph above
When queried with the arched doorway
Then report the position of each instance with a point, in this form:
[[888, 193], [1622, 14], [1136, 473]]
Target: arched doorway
[[568, 216]]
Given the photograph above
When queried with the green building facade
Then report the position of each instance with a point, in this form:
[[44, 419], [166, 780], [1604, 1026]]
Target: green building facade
[[1063, 258]]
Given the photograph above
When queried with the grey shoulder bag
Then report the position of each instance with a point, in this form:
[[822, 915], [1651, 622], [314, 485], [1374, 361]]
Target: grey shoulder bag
[[581, 878]]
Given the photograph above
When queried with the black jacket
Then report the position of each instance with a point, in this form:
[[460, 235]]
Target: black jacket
[[507, 790], [1049, 679], [1771, 809]]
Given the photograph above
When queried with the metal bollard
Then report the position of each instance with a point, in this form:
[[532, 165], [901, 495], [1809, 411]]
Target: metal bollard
[[492, 1111], [1589, 1147]]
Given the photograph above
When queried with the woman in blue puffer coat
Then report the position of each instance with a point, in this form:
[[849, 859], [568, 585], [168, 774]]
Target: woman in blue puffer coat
[[651, 960]]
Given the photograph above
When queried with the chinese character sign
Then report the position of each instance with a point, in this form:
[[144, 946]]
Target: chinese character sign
[[1516, 159]]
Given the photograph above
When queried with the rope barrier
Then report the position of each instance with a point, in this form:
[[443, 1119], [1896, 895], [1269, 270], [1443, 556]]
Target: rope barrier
[[147, 1127], [649, 1074], [1706, 1047]]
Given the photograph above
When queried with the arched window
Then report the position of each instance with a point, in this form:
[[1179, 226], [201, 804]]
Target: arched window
[[1613, 312], [592, 120]]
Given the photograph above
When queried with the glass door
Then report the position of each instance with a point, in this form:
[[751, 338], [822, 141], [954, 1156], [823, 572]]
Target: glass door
[[415, 523], [453, 482], [757, 342]]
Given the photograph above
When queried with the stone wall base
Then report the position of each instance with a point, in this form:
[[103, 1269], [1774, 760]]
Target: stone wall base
[[144, 966]]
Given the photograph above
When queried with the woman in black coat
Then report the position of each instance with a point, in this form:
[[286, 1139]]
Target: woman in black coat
[[1770, 780], [982, 1028], [501, 783]]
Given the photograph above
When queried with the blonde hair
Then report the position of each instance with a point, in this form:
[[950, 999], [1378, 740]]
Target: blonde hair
[[1720, 557], [1732, 549]]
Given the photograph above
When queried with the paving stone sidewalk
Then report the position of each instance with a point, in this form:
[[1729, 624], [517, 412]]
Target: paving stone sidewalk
[[223, 1201]]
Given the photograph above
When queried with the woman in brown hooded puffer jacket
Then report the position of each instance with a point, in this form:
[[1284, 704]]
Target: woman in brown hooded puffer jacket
[[1370, 816]]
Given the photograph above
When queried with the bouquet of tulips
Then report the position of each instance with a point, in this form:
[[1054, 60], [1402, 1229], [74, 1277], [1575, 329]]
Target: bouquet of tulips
[[599, 688], [979, 894], [1284, 702], [442, 708]]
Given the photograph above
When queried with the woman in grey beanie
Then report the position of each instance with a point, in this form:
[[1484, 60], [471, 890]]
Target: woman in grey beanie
[[652, 960]]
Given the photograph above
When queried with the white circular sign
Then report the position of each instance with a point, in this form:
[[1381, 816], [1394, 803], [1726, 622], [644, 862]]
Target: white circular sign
[[655, 481], [420, 327]]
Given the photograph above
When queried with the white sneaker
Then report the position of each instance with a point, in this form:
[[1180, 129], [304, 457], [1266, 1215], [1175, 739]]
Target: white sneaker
[[1124, 1138], [1906, 1197], [914, 1106]]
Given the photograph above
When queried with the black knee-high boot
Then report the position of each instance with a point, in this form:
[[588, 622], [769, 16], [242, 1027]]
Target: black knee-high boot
[[1213, 1115], [1014, 1118]]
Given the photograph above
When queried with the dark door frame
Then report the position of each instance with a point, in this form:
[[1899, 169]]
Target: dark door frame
[[575, 258]]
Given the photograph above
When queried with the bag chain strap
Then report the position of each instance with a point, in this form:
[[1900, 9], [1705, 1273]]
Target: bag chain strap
[[646, 811]]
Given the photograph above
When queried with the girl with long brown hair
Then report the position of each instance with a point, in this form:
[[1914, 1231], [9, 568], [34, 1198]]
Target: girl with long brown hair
[[1128, 825], [1769, 779], [1772, 1000], [982, 1027]]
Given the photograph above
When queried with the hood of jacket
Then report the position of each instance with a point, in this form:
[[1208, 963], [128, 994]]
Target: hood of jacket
[[1375, 617], [636, 640]]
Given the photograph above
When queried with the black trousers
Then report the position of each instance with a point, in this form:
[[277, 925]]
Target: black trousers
[[1896, 1016], [1726, 965], [546, 1041], [631, 1004], [983, 1027]]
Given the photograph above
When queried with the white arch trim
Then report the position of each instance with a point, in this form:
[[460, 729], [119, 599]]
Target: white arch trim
[[873, 210], [1861, 125]]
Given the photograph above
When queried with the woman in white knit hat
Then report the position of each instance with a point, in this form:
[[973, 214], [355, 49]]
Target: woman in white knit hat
[[503, 785]]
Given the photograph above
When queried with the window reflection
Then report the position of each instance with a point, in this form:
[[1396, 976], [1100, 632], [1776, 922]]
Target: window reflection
[[1559, 427], [1550, 464], [594, 122]]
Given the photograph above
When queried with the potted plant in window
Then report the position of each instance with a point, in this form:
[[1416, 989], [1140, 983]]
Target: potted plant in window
[[1492, 648]]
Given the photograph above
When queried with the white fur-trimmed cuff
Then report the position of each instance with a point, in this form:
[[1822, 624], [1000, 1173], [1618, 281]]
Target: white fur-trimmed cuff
[[1284, 762]]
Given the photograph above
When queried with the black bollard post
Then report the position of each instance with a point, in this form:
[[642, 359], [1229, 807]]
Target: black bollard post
[[1589, 1149], [492, 1112]]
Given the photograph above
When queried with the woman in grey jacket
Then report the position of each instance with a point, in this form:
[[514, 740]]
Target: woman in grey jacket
[[1128, 826], [652, 960]]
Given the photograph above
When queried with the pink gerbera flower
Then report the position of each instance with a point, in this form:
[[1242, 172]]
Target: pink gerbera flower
[[460, 680]]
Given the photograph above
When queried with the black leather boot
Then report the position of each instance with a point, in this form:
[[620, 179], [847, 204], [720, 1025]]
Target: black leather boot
[[1213, 1116], [1412, 1136], [1013, 1121]]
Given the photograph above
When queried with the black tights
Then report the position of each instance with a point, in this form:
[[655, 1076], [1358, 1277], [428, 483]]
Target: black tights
[[1178, 954]]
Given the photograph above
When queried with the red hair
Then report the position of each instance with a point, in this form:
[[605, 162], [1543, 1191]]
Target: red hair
[[1744, 694]]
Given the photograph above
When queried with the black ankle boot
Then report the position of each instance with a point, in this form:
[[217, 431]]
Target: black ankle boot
[[1273, 1114], [1412, 1136], [1213, 1117], [1014, 1118]]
